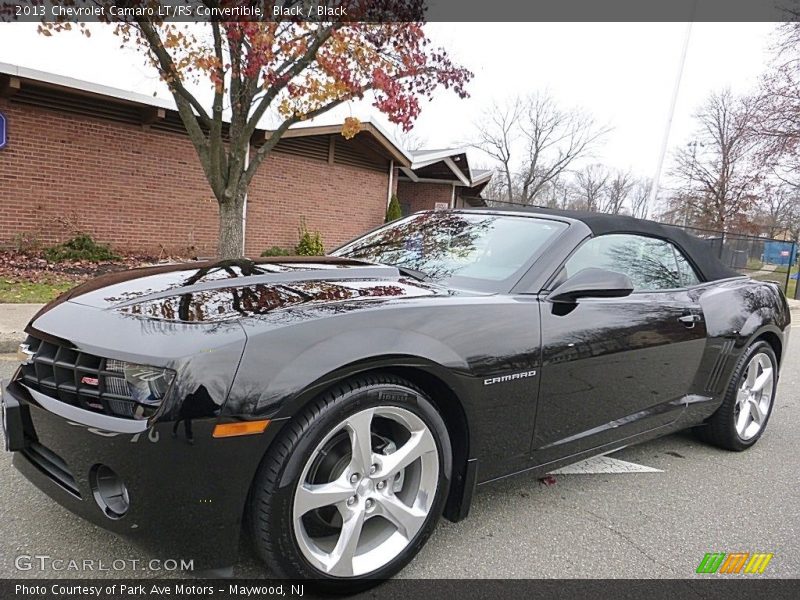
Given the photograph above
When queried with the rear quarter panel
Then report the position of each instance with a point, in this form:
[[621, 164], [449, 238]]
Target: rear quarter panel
[[736, 312]]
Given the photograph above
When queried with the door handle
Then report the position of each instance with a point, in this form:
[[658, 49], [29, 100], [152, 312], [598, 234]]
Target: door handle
[[688, 320]]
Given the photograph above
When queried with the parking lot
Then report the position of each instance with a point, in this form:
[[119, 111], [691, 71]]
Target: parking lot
[[633, 525]]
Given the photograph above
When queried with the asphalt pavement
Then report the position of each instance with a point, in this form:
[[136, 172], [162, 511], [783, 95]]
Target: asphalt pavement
[[630, 524]]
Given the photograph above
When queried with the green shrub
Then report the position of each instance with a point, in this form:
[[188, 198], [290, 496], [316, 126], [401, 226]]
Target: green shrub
[[393, 211], [310, 243], [81, 247], [276, 251]]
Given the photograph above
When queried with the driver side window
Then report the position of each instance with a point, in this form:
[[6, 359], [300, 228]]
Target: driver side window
[[652, 264]]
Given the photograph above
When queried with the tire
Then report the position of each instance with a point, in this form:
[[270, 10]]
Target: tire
[[724, 428], [320, 446]]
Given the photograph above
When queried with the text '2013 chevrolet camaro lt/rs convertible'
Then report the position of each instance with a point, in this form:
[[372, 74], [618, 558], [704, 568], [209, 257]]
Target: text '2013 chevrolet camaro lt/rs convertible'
[[333, 408]]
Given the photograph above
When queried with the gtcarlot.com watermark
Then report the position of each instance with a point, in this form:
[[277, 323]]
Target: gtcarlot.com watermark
[[44, 562]]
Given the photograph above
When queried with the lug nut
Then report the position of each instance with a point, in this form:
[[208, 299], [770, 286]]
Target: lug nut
[[370, 503], [354, 478], [351, 500], [373, 469], [381, 485]]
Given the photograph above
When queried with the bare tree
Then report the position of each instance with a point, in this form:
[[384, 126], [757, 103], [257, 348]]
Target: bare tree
[[618, 190], [558, 192], [534, 141], [778, 120], [778, 210], [554, 139], [591, 183], [721, 177], [409, 140], [496, 134], [640, 198]]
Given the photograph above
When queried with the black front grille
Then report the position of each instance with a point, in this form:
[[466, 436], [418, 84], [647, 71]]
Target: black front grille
[[80, 379], [53, 466]]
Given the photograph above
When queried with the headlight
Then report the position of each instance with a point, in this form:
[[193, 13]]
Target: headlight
[[147, 386]]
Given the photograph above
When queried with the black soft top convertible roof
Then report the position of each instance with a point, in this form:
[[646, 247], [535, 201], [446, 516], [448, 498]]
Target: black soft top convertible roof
[[698, 251]]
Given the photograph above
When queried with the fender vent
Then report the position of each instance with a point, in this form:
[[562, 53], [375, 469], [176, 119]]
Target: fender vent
[[719, 366]]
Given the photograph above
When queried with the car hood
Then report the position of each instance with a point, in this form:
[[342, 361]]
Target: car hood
[[228, 290]]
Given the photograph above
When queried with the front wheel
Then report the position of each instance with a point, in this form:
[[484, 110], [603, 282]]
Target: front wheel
[[354, 486], [748, 402]]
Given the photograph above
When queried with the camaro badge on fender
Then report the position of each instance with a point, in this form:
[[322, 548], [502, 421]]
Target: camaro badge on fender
[[512, 377]]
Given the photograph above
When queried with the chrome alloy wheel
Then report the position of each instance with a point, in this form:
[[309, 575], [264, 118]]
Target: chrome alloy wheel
[[370, 483], [754, 397]]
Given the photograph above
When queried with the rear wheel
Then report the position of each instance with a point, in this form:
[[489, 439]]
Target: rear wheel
[[748, 403], [354, 486]]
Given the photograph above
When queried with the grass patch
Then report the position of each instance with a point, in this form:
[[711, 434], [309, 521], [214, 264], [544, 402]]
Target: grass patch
[[754, 264], [26, 292]]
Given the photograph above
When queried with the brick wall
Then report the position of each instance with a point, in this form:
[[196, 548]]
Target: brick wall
[[142, 189], [423, 196], [340, 201]]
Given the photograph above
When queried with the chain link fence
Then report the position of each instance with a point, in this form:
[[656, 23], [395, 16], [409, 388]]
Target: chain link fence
[[763, 258]]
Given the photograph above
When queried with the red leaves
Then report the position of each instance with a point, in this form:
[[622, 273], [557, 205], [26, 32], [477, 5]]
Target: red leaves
[[16, 266], [548, 480], [303, 67]]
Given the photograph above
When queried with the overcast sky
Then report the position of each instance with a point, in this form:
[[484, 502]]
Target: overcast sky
[[622, 73]]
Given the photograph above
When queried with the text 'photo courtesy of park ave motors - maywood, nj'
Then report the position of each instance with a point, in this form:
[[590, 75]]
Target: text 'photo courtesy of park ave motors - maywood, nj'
[[312, 298]]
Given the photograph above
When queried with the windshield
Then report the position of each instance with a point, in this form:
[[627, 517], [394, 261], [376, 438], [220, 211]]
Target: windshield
[[460, 249]]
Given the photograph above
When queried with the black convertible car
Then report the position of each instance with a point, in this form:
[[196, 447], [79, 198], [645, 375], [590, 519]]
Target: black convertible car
[[332, 408]]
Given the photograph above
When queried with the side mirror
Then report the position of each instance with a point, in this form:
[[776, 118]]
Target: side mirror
[[592, 283]]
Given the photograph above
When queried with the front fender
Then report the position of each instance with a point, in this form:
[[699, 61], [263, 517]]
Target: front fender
[[284, 386]]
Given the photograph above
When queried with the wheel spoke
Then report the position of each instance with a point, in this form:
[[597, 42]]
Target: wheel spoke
[[752, 371], [407, 519], [756, 411], [743, 420], [420, 443], [360, 429], [763, 381], [341, 558], [312, 496]]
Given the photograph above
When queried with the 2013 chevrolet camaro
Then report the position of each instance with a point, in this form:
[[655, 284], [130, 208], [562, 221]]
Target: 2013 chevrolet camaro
[[334, 407]]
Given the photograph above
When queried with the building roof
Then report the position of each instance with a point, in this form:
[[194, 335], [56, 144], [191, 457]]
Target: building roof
[[441, 165], [87, 87], [307, 128], [446, 165], [132, 105]]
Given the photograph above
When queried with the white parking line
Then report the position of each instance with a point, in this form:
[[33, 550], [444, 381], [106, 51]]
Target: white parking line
[[603, 464]]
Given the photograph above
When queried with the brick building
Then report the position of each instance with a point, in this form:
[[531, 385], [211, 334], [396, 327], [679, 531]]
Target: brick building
[[118, 165], [440, 179]]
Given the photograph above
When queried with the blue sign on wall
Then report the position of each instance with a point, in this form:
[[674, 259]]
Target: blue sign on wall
[[3, 131]]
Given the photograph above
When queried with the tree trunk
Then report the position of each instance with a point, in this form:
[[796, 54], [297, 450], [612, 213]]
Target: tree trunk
[[231, 232]]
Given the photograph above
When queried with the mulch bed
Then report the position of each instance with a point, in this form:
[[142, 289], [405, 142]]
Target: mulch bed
[[16, 266]]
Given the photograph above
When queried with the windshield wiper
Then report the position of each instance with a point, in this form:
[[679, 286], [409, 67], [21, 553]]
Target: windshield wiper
[[415, 273]]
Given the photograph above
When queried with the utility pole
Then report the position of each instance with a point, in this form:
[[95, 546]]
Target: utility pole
[[665, 141]]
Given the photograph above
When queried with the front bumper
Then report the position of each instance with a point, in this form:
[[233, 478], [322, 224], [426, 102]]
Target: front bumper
[[187, 489]]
